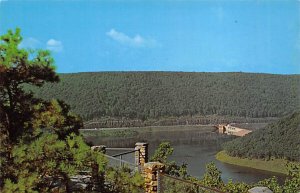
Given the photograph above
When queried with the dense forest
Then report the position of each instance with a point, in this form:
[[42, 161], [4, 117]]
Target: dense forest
[[110, 122], [277, 140], [148, 95]]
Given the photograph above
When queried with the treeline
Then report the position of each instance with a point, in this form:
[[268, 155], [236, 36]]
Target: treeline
[[277, 140], [151, 95], [110, 122]]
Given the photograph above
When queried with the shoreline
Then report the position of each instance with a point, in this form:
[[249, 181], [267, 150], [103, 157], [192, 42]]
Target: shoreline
[[133, 131], [274, 165]]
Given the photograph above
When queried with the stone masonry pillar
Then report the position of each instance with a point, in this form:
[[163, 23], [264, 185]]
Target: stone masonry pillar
[[141, 155], [99, 148], [151, 175], [260, 190]]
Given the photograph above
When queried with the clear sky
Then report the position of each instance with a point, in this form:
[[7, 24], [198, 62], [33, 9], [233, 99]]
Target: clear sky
[[161, 35]]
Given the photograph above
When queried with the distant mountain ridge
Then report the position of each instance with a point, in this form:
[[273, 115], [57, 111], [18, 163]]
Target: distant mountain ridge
[[278, 140], [147, 95]]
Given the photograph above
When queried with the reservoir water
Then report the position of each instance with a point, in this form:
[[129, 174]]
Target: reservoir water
[[195, 146]]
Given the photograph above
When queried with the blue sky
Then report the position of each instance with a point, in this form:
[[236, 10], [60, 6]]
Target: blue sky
[[161, 35]]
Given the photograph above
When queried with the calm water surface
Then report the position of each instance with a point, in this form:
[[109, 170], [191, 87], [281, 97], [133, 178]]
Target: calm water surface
[[195, 147]]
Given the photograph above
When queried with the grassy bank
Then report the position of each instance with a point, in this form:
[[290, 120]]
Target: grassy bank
[[134, 131], [276, 165], [109, 133]]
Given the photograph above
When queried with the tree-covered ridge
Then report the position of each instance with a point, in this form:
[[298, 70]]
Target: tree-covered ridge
[[145, 95], [277, 140]]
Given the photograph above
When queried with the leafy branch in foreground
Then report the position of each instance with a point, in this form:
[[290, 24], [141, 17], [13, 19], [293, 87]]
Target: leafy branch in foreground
[[161, 155], [40, 145], [48, 161]]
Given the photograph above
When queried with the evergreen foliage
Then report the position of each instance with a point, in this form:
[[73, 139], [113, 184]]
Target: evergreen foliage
[[22, 116], [48, 160], [277, 140], [212, 176], [40, 145], [19, 67], [148, 95], [121, 180], [161, 155]]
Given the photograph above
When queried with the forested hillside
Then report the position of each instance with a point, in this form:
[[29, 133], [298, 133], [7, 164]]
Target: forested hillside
[[277, 140], [145, 95]]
